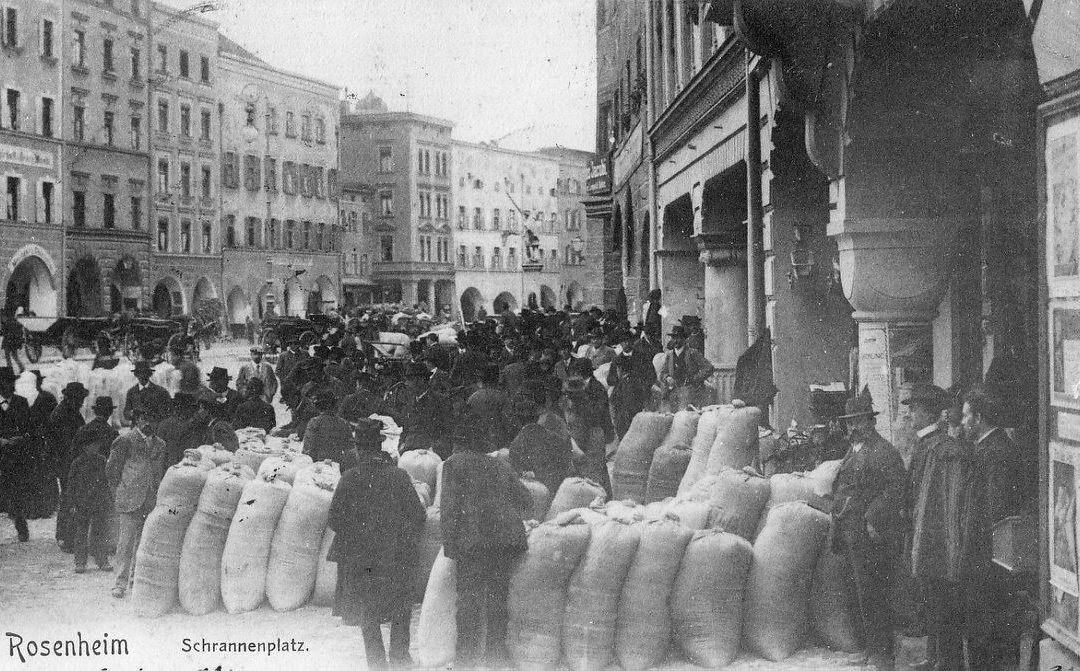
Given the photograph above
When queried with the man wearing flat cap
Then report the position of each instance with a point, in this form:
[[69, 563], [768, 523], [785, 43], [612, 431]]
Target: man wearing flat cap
[[867, 523], [940, 466], [257, 368]]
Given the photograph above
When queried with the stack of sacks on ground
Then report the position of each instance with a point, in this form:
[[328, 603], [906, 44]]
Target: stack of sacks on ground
[[255, 447], [422, 466], [436, 631], [247, 547], [630, 473], [540, 495]]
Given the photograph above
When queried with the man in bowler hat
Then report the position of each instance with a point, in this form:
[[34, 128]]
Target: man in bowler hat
[[144, 391], [226, 399], [867, 523]]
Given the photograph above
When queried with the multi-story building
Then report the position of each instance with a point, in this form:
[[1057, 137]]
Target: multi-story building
[[106, 165], [405, 157], [577, 272], [507, 229], [183, 135], [358, 245], [279, 189], [31, 207]]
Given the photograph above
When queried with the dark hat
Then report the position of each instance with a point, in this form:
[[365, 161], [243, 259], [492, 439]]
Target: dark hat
[[219, 373], [325, 400], [862, 405], [185, 400], [929, 396], [368, 433], [827, 404], [596, 333], [321, 352], [678, 332], [103, 404], [75, 390], [690, 321], [7, 374], [143, 366]]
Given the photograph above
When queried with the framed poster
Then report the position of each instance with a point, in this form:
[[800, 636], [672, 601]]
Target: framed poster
[[1062, 160], [1064, 607], [1065, 348], [1064, 557]]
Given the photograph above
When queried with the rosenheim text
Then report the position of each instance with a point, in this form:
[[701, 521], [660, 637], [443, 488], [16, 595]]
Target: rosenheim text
[[23, 649]]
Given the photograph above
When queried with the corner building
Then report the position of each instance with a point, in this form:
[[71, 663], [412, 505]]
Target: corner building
[[279, 189]]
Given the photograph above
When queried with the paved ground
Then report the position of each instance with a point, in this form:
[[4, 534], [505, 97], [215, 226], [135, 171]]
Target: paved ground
[[42, 598]]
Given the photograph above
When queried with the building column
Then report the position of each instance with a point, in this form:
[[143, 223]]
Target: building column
[[432, 308], [680, 44], [665, 53], [725, 315], [409, 293]]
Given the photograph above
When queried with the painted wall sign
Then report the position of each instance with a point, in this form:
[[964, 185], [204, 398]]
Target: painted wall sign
[[29, 157]]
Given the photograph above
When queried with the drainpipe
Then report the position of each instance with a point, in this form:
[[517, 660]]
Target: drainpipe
[[60, 204], [755, 253], [650, 154], [221, 201]]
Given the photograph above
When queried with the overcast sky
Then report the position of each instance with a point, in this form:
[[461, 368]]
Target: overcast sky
[[519, 68]]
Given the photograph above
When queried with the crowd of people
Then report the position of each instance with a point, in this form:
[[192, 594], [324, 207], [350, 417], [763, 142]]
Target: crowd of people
[[553, 391]]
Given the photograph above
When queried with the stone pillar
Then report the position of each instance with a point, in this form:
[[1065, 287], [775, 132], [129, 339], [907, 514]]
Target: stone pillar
[[680, 45], [725, 315], [432, 308]]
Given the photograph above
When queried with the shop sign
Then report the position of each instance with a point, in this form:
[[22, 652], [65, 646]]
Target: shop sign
[[9, 153]]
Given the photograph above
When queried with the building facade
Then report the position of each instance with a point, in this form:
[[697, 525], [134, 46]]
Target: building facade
[[31, 203], [358, 245], [106, 156], [576, 274], [183, 115], [507, 229], [279, 189], [405, 157]]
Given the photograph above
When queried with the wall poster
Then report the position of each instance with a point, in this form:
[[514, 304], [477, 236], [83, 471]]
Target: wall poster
[[1065, 351], [1062, 206], [1064, 554]]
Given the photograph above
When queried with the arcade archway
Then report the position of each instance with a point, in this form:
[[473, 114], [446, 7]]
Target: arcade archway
[[204, 290], [547, 297], [295, 298], [505, 301], [238, 306], [31, 287], [84, 289], [323, 297], [168, 298], [471, 302], [125, 285]]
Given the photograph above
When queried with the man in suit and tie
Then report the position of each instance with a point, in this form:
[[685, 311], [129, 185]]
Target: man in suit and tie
[[18, 463], [257, 368], [684, 373], [867, 523], [226, 399], [134, 469], [144, 392]]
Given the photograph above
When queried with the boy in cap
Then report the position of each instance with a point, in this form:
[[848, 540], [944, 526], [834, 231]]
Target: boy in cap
[[88, 501]]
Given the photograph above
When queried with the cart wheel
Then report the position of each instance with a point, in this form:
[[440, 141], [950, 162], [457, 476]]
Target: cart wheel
[[68, 342], [32, 346]]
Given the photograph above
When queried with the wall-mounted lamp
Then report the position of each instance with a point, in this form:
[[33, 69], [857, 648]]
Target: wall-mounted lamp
[[802, 259]]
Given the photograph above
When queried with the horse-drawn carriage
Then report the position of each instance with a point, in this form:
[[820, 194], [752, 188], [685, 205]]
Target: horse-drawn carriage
[[134, 337]]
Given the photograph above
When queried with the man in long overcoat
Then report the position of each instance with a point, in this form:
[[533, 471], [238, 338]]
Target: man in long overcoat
[[65, 422], [377, 519], [18, 462], [940, 470], [868, 527]]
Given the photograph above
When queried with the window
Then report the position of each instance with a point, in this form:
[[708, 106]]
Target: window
[[11, 27], [495, 219], [107, 56], [332, 182], [207, 238], [185, 236], [386, 248], [290, 227], [425, 205], [204, 69], [163, 116], [271, 174], [136, 213], [46, 117], [463, 257], [318, 182], [163, 234], [478, 219], [386, 203], [251, 172], [275, 233], [14, 189], [79, 122], [163, 59], [230, 231], [511, 220], [47, 38], [478, 258], [78, 51], [204, 125], [46, 214], [307, 235], [462, 221], [185, 180], [184, 65], [554, 258], [386, 159], [511, 259], [320, 233], [273, 120], [207, 178], [288, 178], [11, 97], [290, 125], [185, 120], [163, 175], [305, 180], [320, 131], [305, 128], [496, 259], [107, 127], [363, 264], [249, 232], [78, 208], [443, 249], [136, 63]]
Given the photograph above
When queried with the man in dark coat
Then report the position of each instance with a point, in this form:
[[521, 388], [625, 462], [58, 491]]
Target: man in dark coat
[[301, 411], [630, 377], [377, 519], [483, 509], [940, 469], [65, 422], [144, 392], [537, 450], [868, 526], [17, 461], [684, 373], [994, 494], [328, 436], [289, 360], [47, 478], [589, 419], [98, 430], [89, 503], [255, 411], [469, 363], [226, 398], [175, 429], [490, 407]]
